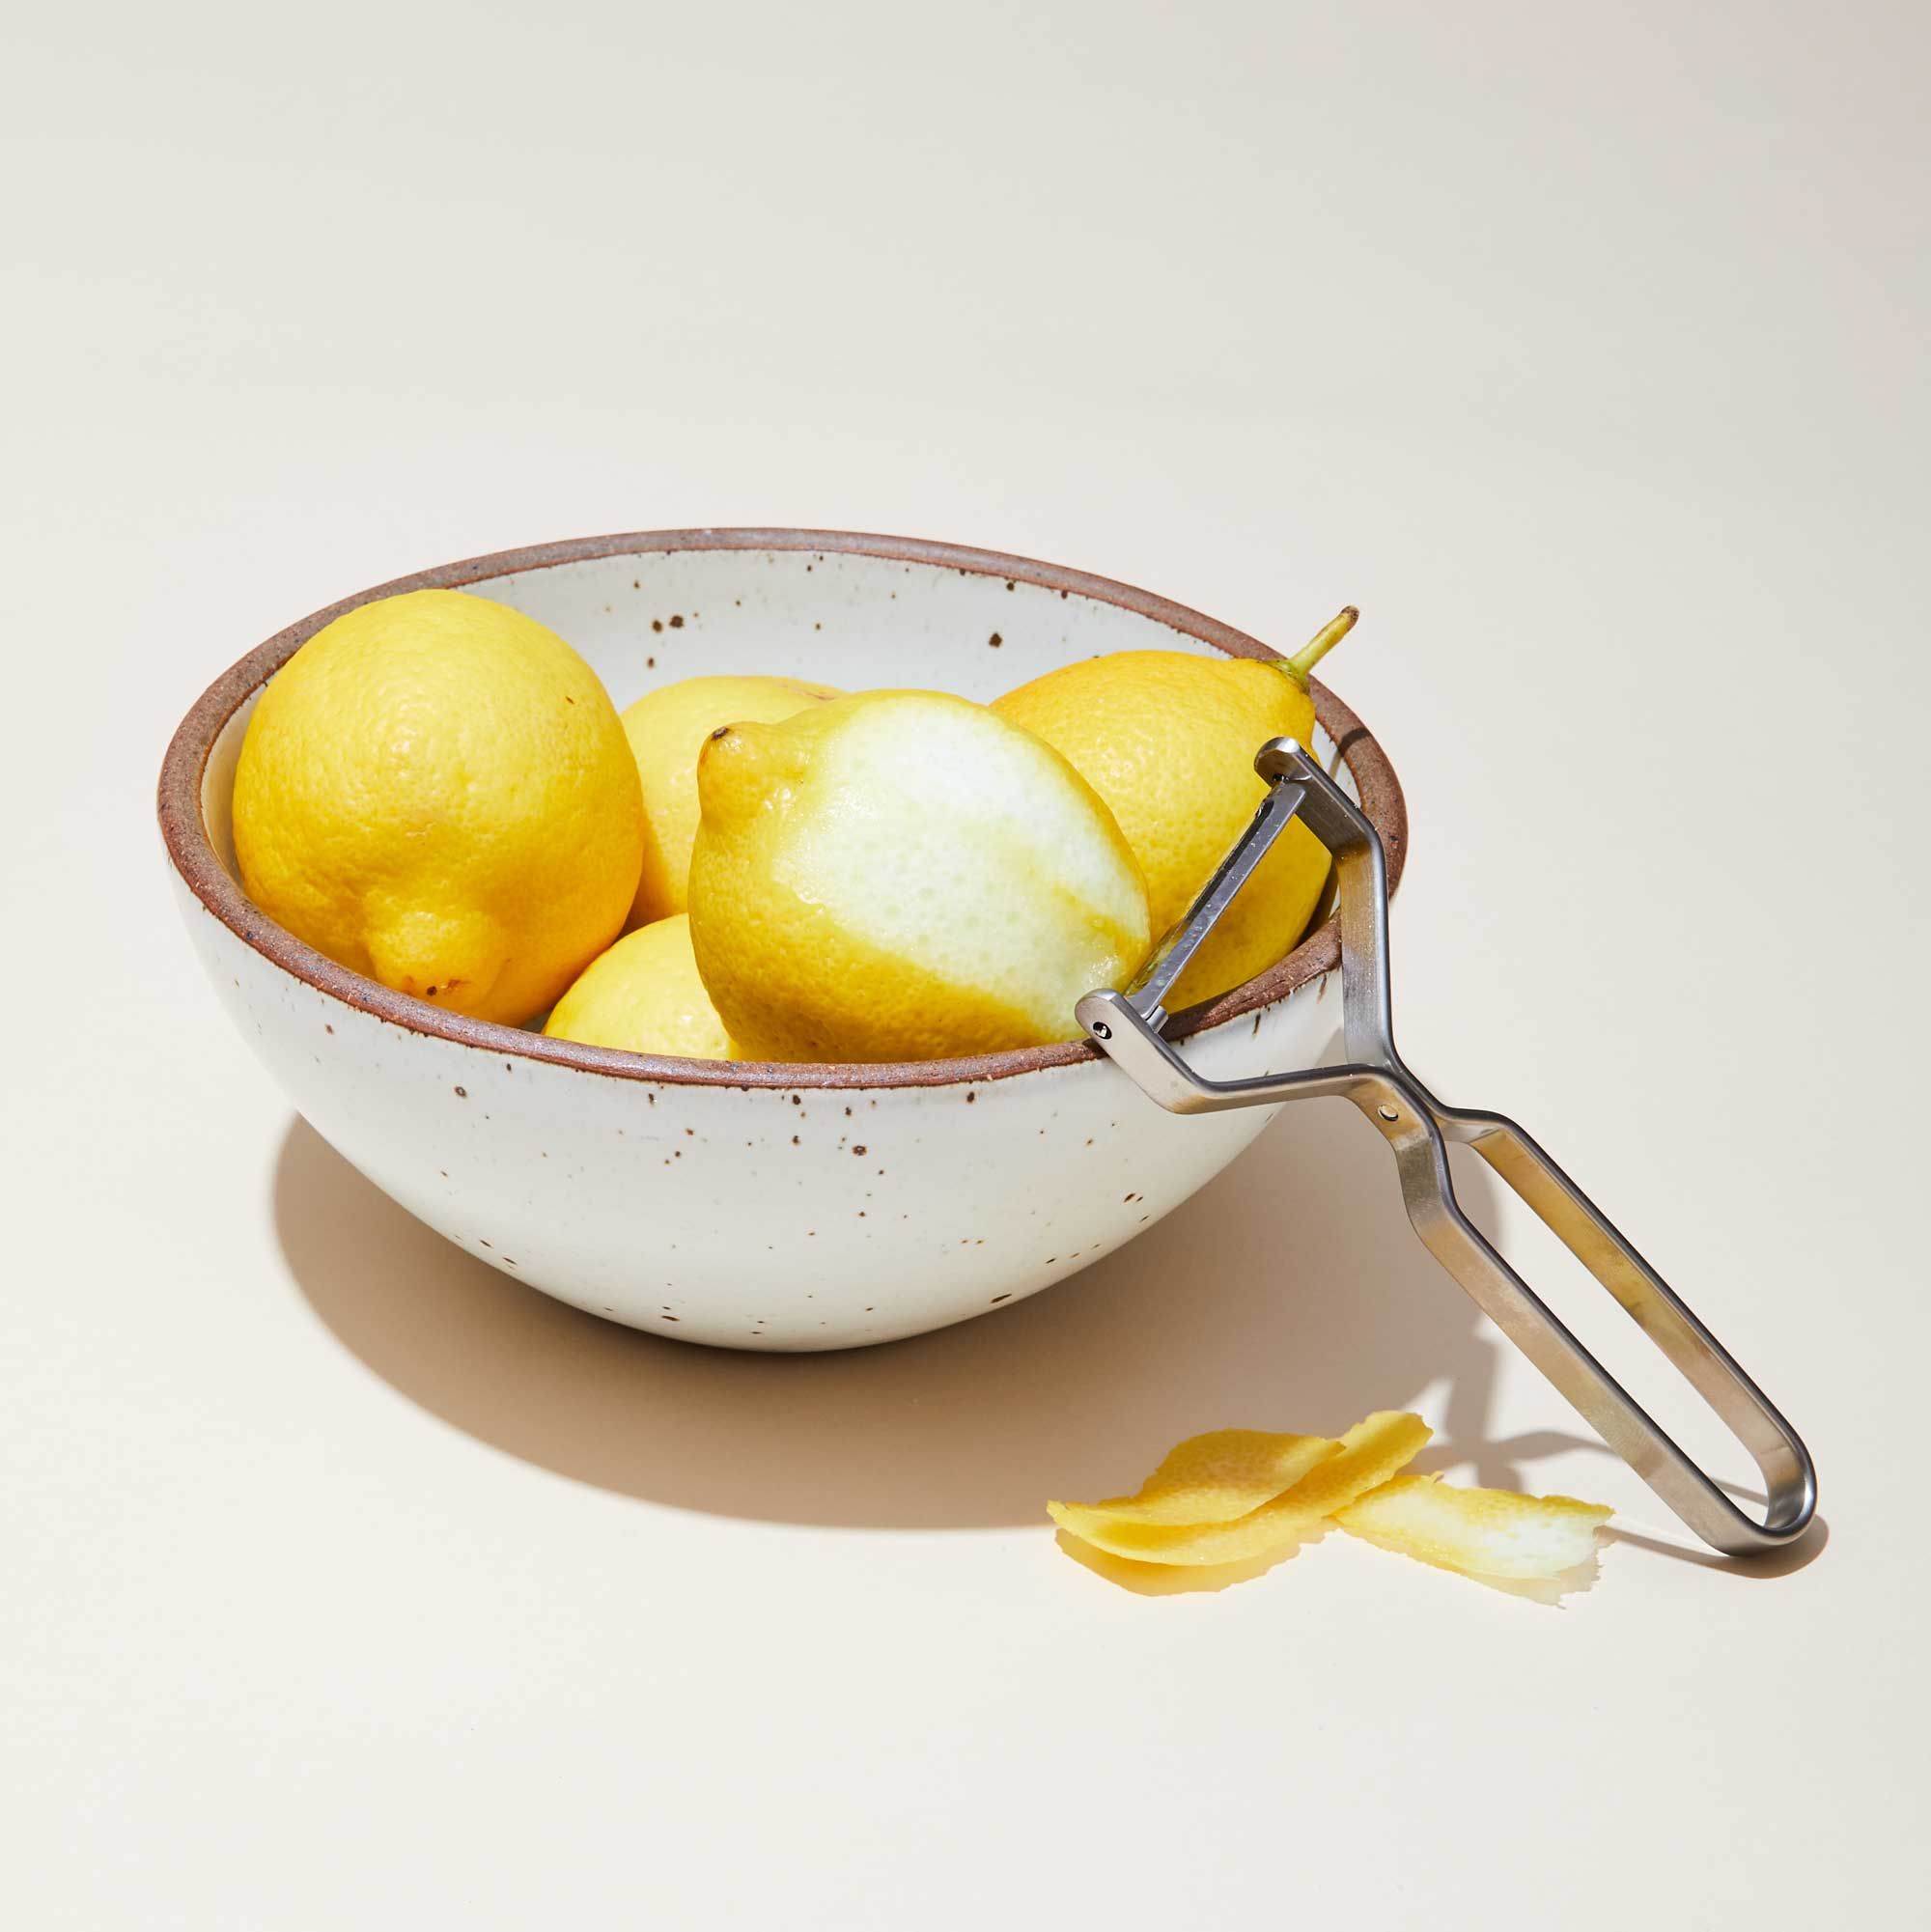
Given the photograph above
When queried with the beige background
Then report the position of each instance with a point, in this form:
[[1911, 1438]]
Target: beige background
[[347, 1584]]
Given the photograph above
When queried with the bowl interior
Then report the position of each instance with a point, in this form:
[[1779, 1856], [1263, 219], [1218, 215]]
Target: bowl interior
[[853, 610], [861, 622]]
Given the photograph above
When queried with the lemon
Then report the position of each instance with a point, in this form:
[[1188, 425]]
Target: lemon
[[436, 791], [644, 996], [1168, 740], [903, 875], [667, 730]]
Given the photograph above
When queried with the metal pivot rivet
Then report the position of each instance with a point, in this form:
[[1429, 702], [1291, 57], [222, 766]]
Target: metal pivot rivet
[[1388, 1112]]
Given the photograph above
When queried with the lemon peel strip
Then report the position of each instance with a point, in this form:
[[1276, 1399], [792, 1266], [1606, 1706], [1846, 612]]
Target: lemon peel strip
[[1369, 1454], [1211, 1478], [1481, 1532]]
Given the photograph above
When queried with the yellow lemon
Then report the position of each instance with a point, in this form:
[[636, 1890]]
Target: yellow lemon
[[644, 996], [436, 791], [667, 730], [1168, 740], [901, 875]]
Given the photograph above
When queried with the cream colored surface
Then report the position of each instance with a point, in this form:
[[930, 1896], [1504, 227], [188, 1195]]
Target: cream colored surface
[[349, 1583]]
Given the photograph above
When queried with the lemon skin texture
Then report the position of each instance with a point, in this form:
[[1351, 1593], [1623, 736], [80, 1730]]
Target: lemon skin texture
[[1168, 741], [644, 996], [904, 876], [437, 792], [667, 730]]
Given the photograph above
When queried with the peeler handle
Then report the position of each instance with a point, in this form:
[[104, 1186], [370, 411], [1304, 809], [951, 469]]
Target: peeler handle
[[1129, 1028], [1790, 1480]]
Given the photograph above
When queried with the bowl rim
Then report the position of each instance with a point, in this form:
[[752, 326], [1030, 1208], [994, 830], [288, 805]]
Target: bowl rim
[[193, 856]]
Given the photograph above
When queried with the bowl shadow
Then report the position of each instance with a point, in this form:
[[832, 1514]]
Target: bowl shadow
[[1289, 1293]]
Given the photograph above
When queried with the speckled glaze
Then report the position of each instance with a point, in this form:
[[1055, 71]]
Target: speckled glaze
[[753, 1206]]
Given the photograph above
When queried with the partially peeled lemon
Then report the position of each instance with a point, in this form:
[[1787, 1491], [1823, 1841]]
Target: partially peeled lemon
[[904, 875]]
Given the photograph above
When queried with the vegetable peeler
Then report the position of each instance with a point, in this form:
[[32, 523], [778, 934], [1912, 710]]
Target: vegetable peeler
[[1128, 1028]]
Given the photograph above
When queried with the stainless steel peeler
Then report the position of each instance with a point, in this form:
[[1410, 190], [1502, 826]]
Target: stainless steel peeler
[[1128, 1026]]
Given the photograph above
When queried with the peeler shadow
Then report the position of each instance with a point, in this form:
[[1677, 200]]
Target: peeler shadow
[[1798, 1555], [1288, 1293]]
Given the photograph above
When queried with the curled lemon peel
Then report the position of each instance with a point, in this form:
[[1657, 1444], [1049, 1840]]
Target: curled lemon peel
[[1365, 1458], [1482, 1532], [1224, 1506], [1210, 1478]]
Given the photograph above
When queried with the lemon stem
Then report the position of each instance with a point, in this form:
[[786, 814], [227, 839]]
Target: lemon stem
[[1318, 646]]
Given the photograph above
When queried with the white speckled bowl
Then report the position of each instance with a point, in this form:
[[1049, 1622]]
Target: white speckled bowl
[[753, 1206]]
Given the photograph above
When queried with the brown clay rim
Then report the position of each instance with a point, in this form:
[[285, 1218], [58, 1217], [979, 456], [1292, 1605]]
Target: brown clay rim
[[194, 858]]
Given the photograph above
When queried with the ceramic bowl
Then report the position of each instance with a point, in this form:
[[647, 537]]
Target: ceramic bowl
[[745, 1205]]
